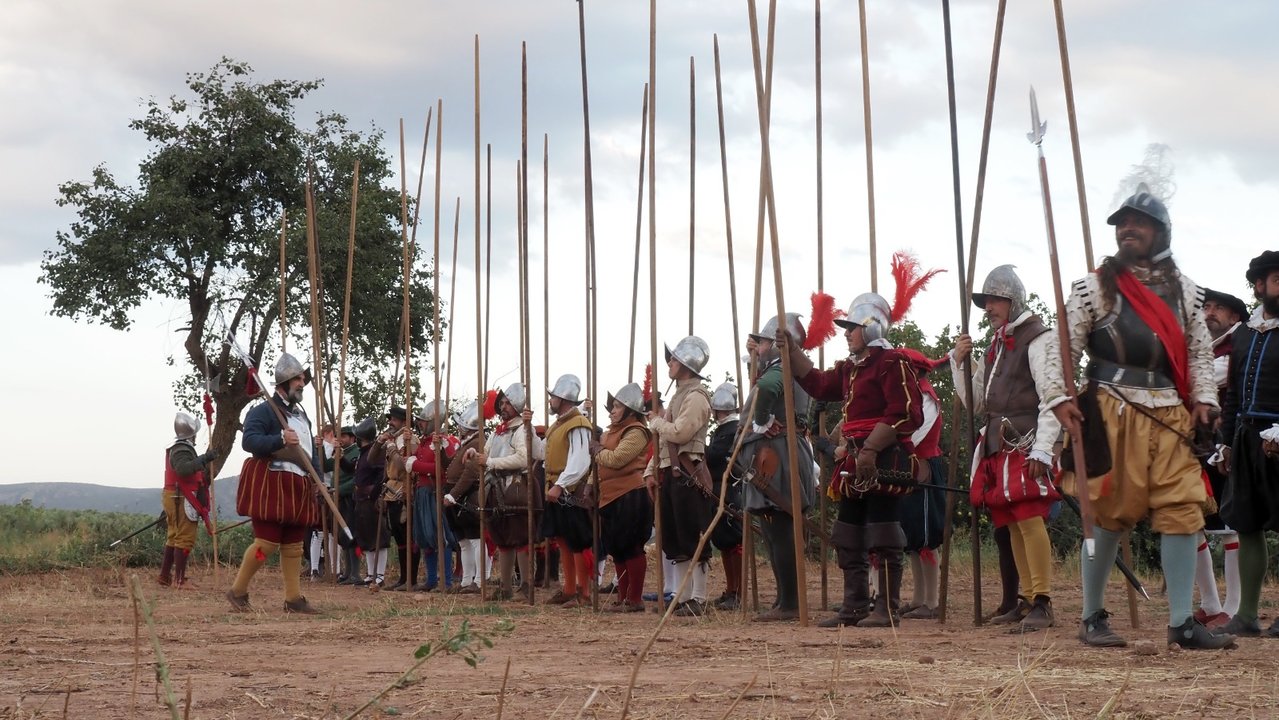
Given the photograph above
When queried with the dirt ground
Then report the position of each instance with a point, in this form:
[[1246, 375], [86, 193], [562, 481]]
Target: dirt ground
[[67, 640]]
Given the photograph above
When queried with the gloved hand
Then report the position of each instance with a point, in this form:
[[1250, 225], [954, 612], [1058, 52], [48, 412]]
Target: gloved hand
[[866, 469], [209, 457]]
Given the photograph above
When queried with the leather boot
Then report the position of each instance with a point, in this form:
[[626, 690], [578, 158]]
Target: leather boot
[[732, 574], [166, 566], [888, 601], [180, 558], [781, 550], [850, 552]]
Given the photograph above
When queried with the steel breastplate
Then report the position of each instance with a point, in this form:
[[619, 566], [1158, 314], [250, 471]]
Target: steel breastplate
[[1122, 339]]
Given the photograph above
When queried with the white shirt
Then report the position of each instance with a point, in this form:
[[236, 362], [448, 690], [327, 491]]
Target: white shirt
[[579, 458]]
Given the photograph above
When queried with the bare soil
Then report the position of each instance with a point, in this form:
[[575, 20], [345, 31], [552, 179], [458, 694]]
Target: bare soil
[[67, 640]]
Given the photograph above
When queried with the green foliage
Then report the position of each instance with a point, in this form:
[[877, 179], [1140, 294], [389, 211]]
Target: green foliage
[[36, 539], [202, 226]]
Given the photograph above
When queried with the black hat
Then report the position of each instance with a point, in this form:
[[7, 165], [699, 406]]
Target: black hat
[[347, 430], [1261, 265], [1234, 304], [398, 413]]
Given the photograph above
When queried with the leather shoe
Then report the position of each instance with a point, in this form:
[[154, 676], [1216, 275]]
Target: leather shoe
[[1194, 636], [1095, 630], [299, 607]]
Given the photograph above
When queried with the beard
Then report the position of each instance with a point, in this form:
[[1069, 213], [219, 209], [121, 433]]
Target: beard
[[294, 395], [1270, 304], [1129, 255]]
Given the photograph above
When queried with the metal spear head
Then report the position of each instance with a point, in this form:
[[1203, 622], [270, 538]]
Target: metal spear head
[[1037, 128]]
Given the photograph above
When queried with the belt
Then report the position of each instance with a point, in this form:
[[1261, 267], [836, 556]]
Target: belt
[[1112, 373]]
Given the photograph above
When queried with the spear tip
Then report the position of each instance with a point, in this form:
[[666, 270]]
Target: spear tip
[[1037, 128]]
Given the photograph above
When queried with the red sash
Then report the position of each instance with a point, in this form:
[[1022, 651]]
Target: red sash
[[1155, 312]]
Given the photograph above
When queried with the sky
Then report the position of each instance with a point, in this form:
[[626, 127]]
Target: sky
[[1195, 76]]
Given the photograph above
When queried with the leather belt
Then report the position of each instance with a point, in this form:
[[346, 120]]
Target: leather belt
[[1112, 373]]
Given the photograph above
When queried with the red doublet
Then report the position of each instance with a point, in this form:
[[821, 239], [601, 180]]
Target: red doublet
[[882, 387], [424, 466]]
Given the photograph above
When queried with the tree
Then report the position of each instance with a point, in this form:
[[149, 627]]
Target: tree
[[203, 226]]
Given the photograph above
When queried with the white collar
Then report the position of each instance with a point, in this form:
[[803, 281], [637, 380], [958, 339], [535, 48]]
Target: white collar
[[1260, 323]]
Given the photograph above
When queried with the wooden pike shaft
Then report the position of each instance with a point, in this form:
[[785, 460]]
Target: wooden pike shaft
[[524, 262], [479, 326], [692, 186], [788, 385], [652, 258], [405, 321], [284, 320], [591, 297], [488, 253], [346, 322], [761, 212], [821, 277], [870, 154], [639, 223], [448, 365], [441, 557], [1069, 84]]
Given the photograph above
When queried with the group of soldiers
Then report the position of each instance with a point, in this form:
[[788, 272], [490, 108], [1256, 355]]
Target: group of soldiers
[[1177, 412]]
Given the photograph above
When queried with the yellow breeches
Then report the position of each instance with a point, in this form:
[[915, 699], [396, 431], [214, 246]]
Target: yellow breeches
[[181, 531]]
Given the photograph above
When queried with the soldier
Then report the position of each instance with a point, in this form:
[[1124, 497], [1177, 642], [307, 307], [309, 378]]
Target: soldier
[[398, 442], [626, 511], [1223, 314], [566, 520], [679, 475], [429, 470], [881, 412], [510, 492], [1249, 419], [727, 536], [462, 482], [350, 454], [1019, 384], [765, 455], [1150, 382], [275, 491], [185, 495], [371, 531]]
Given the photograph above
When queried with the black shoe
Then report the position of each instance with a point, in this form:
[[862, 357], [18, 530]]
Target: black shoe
[[1194, 636], [609, 589], [1014, 616], [842, 620], [1040, 616], [690, 608], [1273, 630], [1095, 630], [399, 586], [728, 601], [1240, 626]]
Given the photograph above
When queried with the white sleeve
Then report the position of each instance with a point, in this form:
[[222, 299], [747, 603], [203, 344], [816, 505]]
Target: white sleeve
[[961, 386], [1044, 355], [1221, 370], [1203, 389], [579, 458]]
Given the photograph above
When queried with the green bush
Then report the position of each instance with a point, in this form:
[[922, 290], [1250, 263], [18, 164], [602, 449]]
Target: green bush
[[36, 539]]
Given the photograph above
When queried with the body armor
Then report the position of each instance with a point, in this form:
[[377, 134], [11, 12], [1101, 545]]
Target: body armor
[[1124, 351], [724, 399], [630, 396], [870, 312], [288, 367], [185, 427], [567, 387], [692, 352], [1002, 282]]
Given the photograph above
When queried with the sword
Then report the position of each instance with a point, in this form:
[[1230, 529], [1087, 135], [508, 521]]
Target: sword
[[782, 504], [139, 531]]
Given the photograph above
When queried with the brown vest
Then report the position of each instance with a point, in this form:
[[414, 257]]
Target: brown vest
[[1010, 389], [616, 482]]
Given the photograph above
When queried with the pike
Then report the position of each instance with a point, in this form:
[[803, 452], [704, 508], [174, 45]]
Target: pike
[[1036, 138], [158, 521]]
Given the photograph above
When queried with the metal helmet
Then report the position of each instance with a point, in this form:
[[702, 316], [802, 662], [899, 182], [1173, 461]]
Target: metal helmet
[[567, 387], [691, 352], [872, 313], [517, 396], [794, 328], [1002, 282], [724, 399], [288, 367], [365, 430], [630, 396], [1144, 202], [468, 418], [427, 412], [185, 426]]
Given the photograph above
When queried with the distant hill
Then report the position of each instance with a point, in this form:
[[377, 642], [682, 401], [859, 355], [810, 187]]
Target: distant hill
[[87, 496]]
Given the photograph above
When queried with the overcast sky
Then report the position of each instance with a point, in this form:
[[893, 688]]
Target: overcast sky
[[87, 403]]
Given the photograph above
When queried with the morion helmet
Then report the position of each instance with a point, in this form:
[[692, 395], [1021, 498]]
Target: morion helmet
[[630, 396], [691, 352], [288, 367], [568, 388], [185, 426], [1002, 282], [1144, 202], [870, 312], [724, 399]]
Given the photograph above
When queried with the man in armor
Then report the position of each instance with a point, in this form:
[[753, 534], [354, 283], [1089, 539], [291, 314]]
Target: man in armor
[[1223, 313], [462, 480], [1250, 423], [882, 410], [370, 527], [1150, 382], [679, 475], [185, 495], [275, 491], [566, 520], [1019, 383], [510, 492], [765, 453], [432, 532], [346, 460], [727, 536]]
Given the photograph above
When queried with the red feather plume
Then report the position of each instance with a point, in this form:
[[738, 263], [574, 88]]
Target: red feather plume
[[821, 324], [910, 280], [921, 362], [489, 409], [648, 383]]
